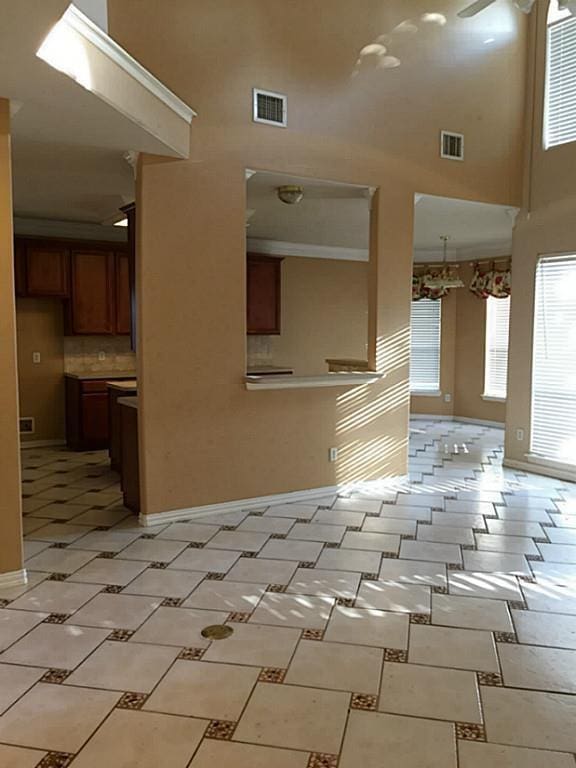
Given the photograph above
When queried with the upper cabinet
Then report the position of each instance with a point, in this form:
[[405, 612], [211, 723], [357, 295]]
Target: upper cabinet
[[123, 302], [46, 270], [92, 305], [263, 294]]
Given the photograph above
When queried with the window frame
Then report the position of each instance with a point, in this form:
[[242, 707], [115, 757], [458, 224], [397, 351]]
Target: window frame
[[488, 393], [554, 20]]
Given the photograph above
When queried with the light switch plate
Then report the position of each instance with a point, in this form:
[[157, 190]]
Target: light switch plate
[[36, 357], [333, 454]]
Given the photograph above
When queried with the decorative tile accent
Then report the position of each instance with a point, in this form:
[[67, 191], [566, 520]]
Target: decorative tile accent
[[159, 566], [390, 555], [56, 760], [58, 577], [306, 564], [547, 525], [132, 701], [348, 602], [517, 605], [276, 588], [56, 618], [468, 546], [239, 618], [407, 537], [535, 558], [220, 729], [228, 527], [120, 635], [148, 536], [470, 732], [440, 590], [278, 536], [107, 528], [455, 567], [248, 554], [107, 555], [395, 654], [321, 760], [368, 514], [424, 522], [313, 634], [540, 540], [172, 602], [369, 577], [55, 676], [489, 678], [196, 545], [505, 637], [526, 578], [303, 520], [112, 589], [59, 545], [437, 509], [212, 576], [4, 603], [420, 618], [353, 528], [365, 701], [258, 513], [272, 675], [191, 654], [479, 530]]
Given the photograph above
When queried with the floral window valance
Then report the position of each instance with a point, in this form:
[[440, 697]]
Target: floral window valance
[[492, 282], [421, 291]]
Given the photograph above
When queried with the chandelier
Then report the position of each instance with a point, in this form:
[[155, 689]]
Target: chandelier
[[446, 277]]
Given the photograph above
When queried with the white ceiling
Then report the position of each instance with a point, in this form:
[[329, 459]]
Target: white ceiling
[[338, 215]]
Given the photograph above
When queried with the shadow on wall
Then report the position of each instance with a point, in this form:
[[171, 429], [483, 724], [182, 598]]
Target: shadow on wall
[[359, 413]]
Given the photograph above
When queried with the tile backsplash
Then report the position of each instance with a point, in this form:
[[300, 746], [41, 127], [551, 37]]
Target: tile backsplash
[[259, 351], [81, 354]]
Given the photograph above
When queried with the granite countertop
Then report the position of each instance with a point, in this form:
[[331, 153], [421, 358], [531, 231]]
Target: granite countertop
[[87, 375], [123, 385], [131, 402], [268, 370]]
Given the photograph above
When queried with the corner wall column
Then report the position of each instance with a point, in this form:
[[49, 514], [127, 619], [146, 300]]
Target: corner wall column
[[10, 498]]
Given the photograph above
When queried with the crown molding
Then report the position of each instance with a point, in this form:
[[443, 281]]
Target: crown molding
[[91, 32], [495, 249], [281, 248]]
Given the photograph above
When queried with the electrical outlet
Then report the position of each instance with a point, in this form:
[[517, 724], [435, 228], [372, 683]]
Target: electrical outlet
[[333, 454], [36, 357], [101, 356], [447, 398], [520, 435]]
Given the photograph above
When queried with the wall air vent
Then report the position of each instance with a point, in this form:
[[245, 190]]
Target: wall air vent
[[269, 108], [27, 426], [451, 145]]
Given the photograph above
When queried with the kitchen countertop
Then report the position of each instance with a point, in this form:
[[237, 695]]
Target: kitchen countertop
[[122, 385], [268, 370], [88, 375], [131, 402]]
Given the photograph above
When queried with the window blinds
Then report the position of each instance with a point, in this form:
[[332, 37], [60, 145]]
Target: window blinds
[[425, 346], [496, 350], [560, 108], [553, 433]]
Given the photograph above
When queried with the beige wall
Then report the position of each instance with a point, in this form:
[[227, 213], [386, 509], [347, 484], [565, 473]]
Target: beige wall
[[41, 385], [546, 225], [10, 502], [204, 438], [324, 314], [462, 359]]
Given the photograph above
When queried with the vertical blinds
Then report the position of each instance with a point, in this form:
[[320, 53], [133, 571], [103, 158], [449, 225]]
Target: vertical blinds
[[425, 346], [553, 433], [560, 109], [496, 352]]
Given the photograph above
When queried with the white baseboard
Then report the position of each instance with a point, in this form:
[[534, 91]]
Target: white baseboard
[[233, 506], [540, 469], [13, 578], [462, 419], [191, 513], [41, 443]]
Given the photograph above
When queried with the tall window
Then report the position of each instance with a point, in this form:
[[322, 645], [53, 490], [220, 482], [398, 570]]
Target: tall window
[[560, 103], [496, 350], [425, 346], [554, 361]]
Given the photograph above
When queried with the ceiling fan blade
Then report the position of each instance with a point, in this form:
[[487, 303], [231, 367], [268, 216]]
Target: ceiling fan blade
[[475, 8]]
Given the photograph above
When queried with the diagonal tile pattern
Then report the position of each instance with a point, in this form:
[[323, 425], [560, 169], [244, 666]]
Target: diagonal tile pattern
[[431, 621]]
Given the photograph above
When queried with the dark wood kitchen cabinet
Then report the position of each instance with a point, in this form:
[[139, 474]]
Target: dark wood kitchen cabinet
[[88, 413], [123, 301], [92, 305], [263, 287], [46, 270]]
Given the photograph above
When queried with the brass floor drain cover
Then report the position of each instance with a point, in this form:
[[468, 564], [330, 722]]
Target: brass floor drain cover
[[217, 632]]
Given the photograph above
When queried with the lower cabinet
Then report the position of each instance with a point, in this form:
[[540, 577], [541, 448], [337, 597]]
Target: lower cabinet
[[87, 414]]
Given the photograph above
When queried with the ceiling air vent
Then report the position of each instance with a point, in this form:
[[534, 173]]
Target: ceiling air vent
[[452, 145], [269, 108], [27, 425]]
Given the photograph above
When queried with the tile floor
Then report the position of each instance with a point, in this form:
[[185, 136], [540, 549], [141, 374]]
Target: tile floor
[[425, 624]]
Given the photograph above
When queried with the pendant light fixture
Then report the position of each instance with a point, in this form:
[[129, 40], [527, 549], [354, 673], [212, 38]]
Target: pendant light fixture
[[446, 277]]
